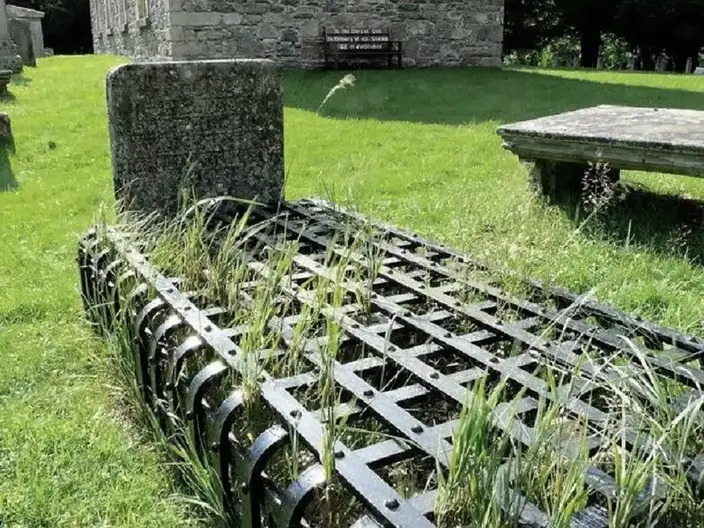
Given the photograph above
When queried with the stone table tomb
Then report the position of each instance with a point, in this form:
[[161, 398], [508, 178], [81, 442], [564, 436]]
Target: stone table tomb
[[624, 138]]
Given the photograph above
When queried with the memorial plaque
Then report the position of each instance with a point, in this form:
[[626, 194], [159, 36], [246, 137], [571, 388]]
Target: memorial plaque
[[214, 128]]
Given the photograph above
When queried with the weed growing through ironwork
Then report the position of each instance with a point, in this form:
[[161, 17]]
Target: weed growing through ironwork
[[650, 444], [492, 476], [202, 488], [469, 490], [552, 470]]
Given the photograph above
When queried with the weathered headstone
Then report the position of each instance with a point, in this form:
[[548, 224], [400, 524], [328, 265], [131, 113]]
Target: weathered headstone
[[690, 65], [631, 63], [213, 128], [9, 60], [661, 63], [33, 18], [21, 35], [563, 60], [699, 71], [600, 63], [5, 78], [6, 138]]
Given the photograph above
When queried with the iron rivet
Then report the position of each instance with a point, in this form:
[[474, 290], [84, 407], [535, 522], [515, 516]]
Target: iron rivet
[[448, 334], [391, 504], [391, 348], [215, 446], [458, 303], [417, 429], [261, 378], [434, 375], [339, 454], [374, 295], [169, 386], [170, 290], [499, 322], [355, 325], [296, 413], [187, 307], [368, 393], [245, 489], [189, 415], [208, 328]]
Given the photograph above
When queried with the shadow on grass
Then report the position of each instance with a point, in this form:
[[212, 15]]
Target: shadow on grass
[[21, 80], [460, 96], [7, 177], [669, 225], [8, 97]]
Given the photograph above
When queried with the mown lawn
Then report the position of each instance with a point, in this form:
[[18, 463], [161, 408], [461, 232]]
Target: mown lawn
[[416, 148]]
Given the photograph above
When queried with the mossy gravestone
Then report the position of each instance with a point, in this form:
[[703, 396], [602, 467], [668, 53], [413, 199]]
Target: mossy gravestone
[[9, 60], [21, 34], [212, 128]]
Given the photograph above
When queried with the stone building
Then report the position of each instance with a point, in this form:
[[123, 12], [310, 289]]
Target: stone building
[[449, 33]]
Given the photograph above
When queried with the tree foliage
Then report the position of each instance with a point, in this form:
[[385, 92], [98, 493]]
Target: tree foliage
[[531, 24], [651, 27]]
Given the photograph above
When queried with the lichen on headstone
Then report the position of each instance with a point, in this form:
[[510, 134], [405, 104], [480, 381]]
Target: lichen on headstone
[[210, 128]]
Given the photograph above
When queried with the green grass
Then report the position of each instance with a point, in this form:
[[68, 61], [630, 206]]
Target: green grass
[[416, 148]]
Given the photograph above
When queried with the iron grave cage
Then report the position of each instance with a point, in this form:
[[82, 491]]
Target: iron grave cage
[[341, 389]]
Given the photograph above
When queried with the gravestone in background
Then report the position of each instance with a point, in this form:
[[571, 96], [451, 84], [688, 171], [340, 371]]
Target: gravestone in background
[[9, 60], [211, 127], [5, 78], [21, 35], [6, 137]]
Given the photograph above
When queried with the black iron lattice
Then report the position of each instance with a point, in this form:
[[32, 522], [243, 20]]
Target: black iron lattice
[[436, 328]]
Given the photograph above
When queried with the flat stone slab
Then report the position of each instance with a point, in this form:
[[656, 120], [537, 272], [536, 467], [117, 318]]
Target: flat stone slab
[[648, 139]]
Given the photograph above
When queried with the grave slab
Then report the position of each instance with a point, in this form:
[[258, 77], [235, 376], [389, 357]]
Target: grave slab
[[626, 138]]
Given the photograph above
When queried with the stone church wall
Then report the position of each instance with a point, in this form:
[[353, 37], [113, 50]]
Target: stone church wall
[[452, 33]]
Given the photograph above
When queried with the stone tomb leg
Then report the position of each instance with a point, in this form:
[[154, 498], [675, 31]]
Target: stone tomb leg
[[551, 179]]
